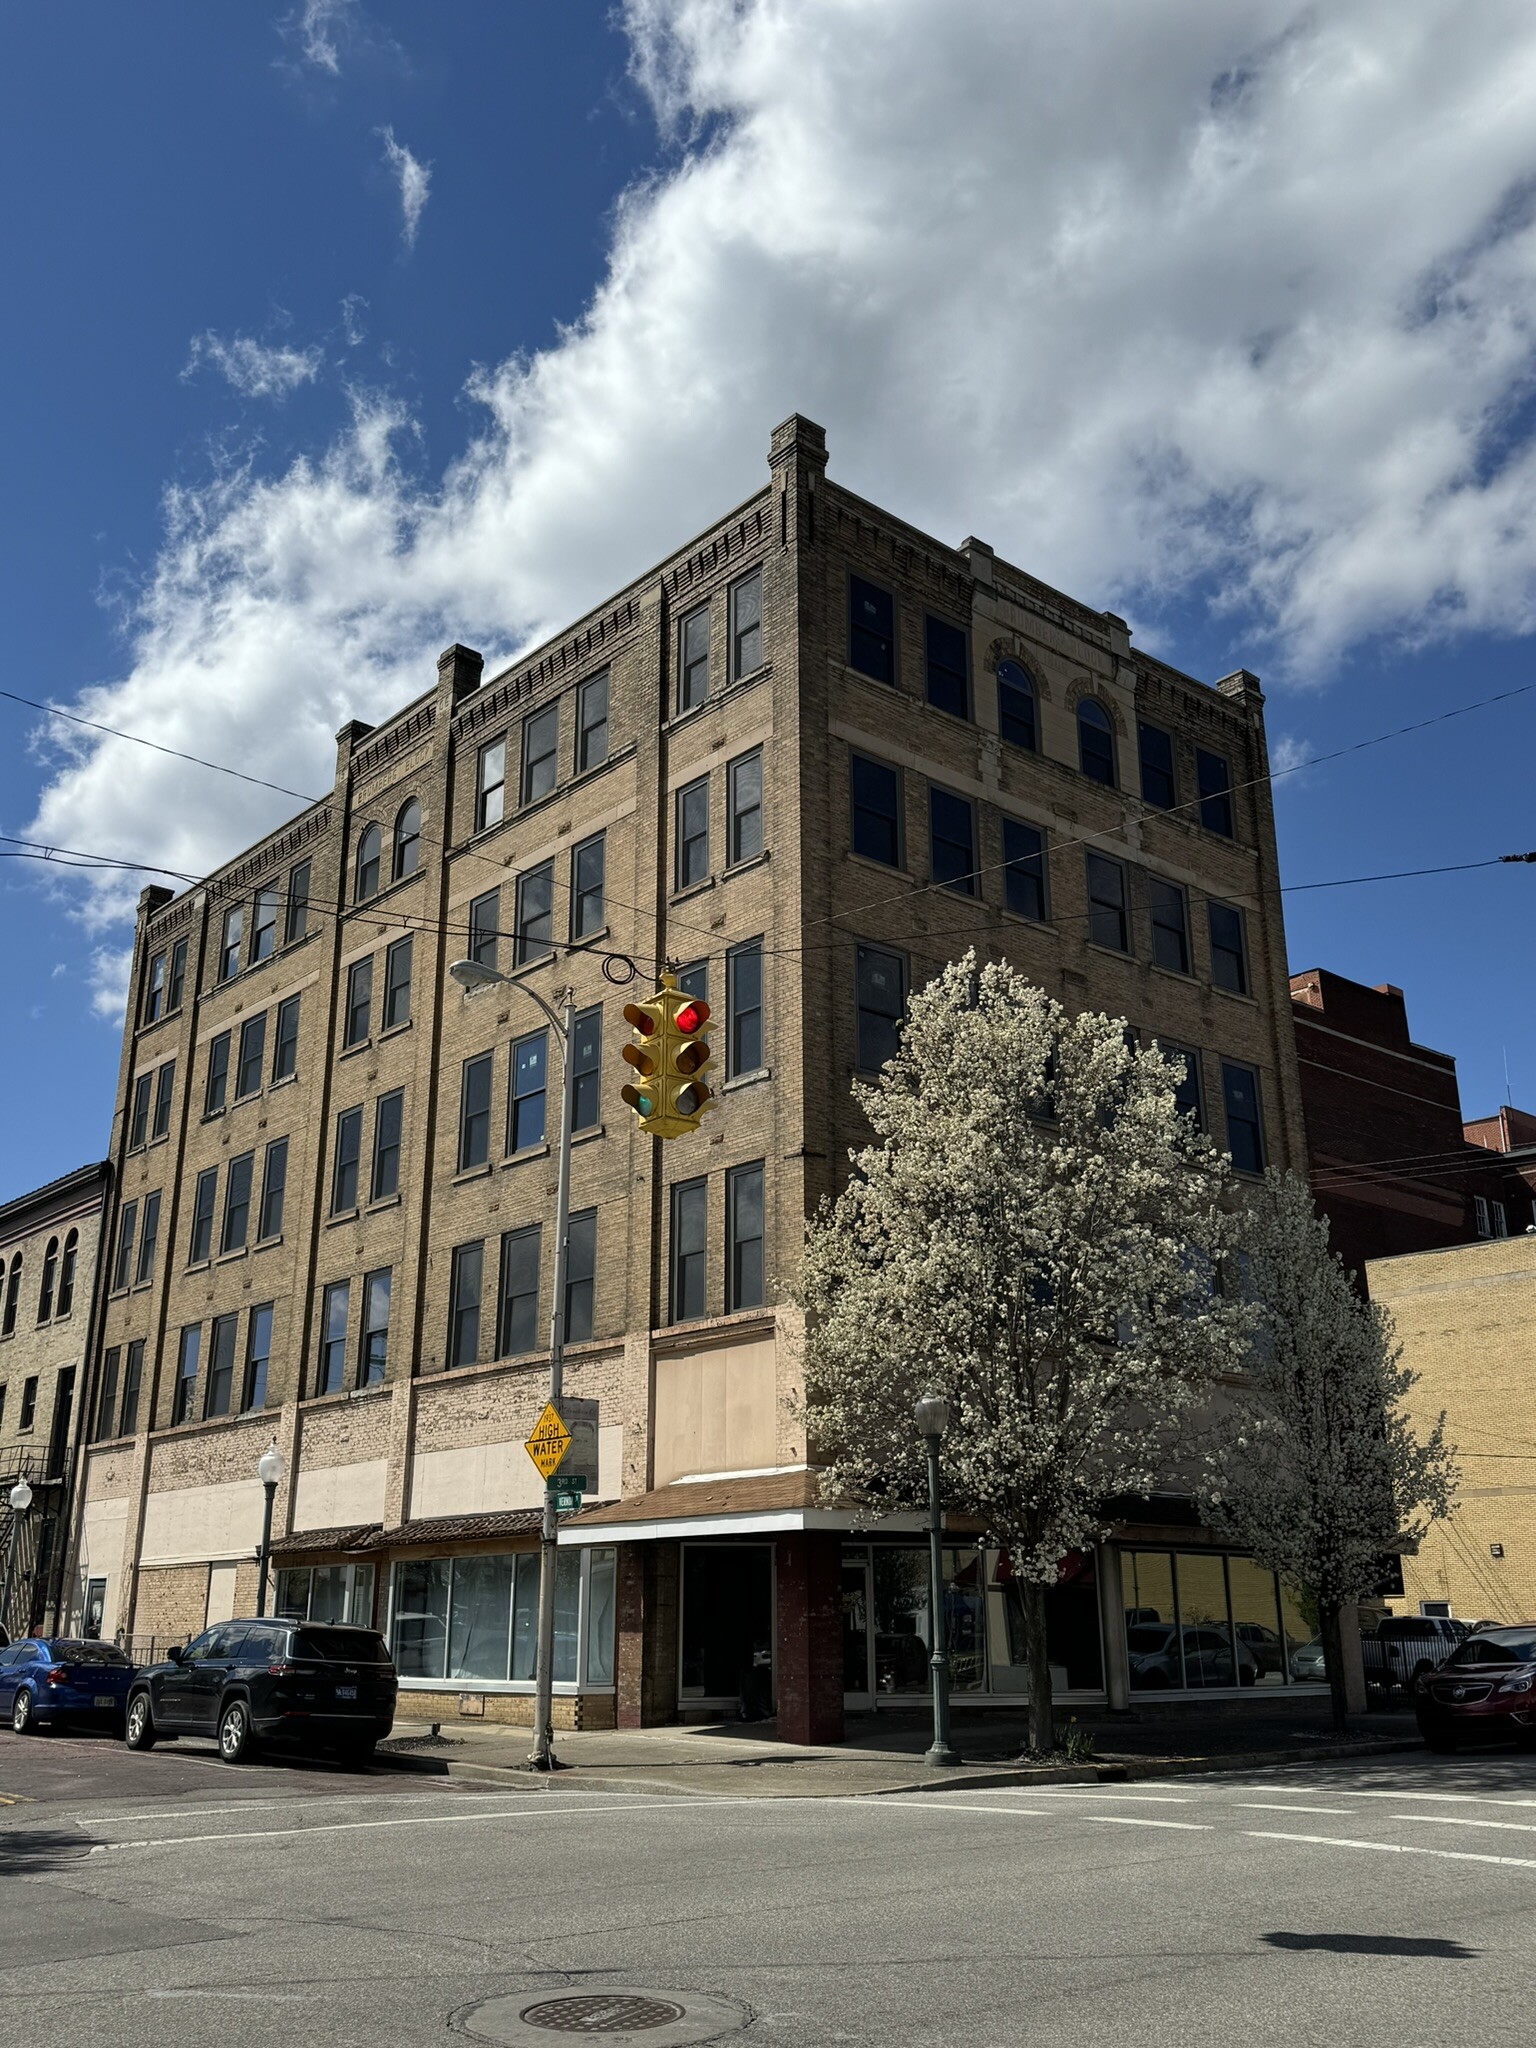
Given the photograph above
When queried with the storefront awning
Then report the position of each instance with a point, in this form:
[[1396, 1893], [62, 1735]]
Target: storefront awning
[[764, 1504]]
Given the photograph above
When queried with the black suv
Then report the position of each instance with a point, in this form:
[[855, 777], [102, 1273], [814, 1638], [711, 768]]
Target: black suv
[[246, 1682]]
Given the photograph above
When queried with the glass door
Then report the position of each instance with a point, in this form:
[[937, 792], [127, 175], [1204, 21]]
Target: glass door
[[858, 1683]]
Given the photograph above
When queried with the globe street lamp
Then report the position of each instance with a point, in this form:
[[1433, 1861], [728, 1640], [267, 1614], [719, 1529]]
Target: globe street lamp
[[269, 1470], [931, 1414], [21, 1500]]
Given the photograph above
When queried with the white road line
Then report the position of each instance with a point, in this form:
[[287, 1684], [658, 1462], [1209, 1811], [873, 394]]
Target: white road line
[[1120, 1798], [951, 1805], [1397, 1849], [172, 1812], [1466, 1820], [1445, 1798], [1125, 1820], [1274, 1806], [413, 1820]]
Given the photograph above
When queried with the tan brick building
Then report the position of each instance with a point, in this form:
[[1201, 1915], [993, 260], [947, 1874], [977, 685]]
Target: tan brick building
[[808, 758], [1466, 1318]]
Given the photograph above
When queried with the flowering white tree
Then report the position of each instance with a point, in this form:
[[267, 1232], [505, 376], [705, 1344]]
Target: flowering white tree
[[1031, 1234], [1319, 1470]]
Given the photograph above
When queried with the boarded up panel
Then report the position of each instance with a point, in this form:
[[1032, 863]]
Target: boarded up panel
[[221, 1593], [202, 1522], [340, 1496], [717, 1411]]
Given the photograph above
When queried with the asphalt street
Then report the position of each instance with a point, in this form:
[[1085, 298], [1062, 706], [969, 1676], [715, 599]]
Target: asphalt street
[[171, 1899]]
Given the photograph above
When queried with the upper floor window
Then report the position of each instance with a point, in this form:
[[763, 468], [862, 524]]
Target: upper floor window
[[1229, 951], [535, 913], [592, 723], [252, 1058], [1016, 705], [485, 927], [693, 833], [1108, 922], [218, 1074], [876, 810], [746, 625], [200, 1246], [221, 1366], [138, 1120], [525, 1103], [586, 1064], [176, 982], [882, 1001], [871, 630], [285, 1047], [491, 784], [12, 1296], [335, 1305], [1213, 778], [948, 679], [296, 920], [580, 1275], [1170, 924], [1024, 869], [127, 1231], [744, 1009], [187, 1352], [344, 1166], [397, 983], [50, 1280], [1491, 1216], [744, 807], [744, 1236], [388, 1114], [165, 1079], [1095, 742], [66, 1295], [237, 1203], [464, 1304], [587, 862], [359, 1011], [375, 1337], [1188, 1098], [1245, 1124], [229, 941], [366, 873], [693, 659], [258, 1353], [149, 1238], [407, 853], [541, 752], [274, 1187], [154, 989], [952, 841], [518, 1317], [264, 925], [690, 1211], [475, 1112], [1156, 754]]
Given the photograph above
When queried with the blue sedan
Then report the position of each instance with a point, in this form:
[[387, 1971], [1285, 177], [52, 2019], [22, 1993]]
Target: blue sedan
[[44, 1681]]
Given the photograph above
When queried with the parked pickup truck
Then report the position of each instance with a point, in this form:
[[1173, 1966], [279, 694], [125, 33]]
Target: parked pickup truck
[[1406, 1644]]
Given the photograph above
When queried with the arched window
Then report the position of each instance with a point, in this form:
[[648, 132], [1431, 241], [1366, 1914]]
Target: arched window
[[12, 1296], [50, 1276], [1095, 742], [366, 883], [1016, 705], [66, 1300], [407, 840]]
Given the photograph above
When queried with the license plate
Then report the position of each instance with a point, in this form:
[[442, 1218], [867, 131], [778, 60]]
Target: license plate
[[106, 1699], [346, 1692]]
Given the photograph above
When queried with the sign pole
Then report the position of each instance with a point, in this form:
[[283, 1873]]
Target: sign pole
[[543, 1754]]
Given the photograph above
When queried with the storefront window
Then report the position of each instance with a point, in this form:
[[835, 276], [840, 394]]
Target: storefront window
[[600, 1586], [1256, 1620], [1304, 1658], [1206, 1625], [480, 1617], [476, 1618], [1197, 1620], [901, 1620], [1071, 1628], [525, 1620], [326, 1592], [421, 1616]]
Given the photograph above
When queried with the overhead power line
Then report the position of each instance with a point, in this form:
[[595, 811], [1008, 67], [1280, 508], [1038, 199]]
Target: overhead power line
[[155, 746]]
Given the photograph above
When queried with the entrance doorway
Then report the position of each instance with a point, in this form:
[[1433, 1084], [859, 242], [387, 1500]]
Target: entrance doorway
[[727, 1627]]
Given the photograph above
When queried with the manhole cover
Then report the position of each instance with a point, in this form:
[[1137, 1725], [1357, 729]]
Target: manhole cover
[[601, 2013]]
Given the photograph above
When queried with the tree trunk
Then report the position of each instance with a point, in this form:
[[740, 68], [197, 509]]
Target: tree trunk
[[1041, 1731], [1328, 1628]]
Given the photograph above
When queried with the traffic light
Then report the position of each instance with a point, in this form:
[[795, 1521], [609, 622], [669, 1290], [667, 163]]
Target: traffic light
[[669, 1054]]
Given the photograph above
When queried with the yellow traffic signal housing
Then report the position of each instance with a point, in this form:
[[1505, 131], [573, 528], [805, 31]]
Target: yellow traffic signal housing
[[669, 1053]]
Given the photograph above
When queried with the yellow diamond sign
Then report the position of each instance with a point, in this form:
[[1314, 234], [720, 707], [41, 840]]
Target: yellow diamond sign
[[550, 1441]]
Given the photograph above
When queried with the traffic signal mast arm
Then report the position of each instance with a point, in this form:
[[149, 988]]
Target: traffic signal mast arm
[[669, 1052]]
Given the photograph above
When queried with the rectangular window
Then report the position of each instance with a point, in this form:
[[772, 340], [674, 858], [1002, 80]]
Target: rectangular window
[[591, 723], [693, 979], [176, 985], [187, 1354], [349, 1145], [133, 1380], [525, 1104], [871, 630], [1245, 1125], [541, 752], [202, 1216], [149, 1238], [28, 1413], [746, 626], [518, 1316], [1170, 924], [258, 1354], [944, 651], [397, 983], [274, 1185], [138, 1121], [375, 1352], [1024, 869], [693, 659], [535, 913], [285, 1040], [264, 925], [951, 841], [221, 1366], [387, 1116], [237, 1202], [106, 1400], [165, 1081], [127, 1230], [334, 1308], [881, 993], [876, 810], [1213, 779], [1188, 1098], [744, 1009], [296, 917], [1016, 705], [744, 807], [218, 1075], [1107, 921], [1156, 749], [464, 1305], [580, 1273], [693, 833], [586, 1060], [253, 1056], [744, 1236], [491, 784], [485, 928], [359, 1012], [229, 942], [690, 1217], [475, 1112], [154, 989], [1229, 951], [587, 862]]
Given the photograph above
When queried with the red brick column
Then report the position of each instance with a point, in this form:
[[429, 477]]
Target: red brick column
[[629, 1638], [808, 1670]]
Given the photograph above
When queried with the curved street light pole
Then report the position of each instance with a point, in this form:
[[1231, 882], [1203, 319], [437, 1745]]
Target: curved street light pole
[[21, 1500], [269, 1470]]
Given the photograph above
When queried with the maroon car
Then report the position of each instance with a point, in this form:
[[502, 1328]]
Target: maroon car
[[1485, 1691]]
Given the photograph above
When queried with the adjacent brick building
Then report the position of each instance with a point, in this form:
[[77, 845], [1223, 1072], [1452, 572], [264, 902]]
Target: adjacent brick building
[[806, 760]]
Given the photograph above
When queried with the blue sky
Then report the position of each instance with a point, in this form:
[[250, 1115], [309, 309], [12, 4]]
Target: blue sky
[[1251, 363]]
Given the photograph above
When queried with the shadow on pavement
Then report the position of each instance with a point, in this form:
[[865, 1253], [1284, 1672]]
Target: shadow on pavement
[[1377, 1945], [26, 1851]]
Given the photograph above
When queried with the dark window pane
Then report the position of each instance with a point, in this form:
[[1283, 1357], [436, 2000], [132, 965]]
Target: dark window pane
[[876, 811], [1024, 870], [229, 942], [871, 630], [253, 1056], [690, 1211], [744, 1236], [165, 1079], [485, 927], [1245, 1127], [586, 1063], [149, 1233], [693, 659], [218, 1074], [746, 626], [491, 783], [359, 1015], [944, 646], [332, 1376], [464, 1312], [535, 913], [881, 996], [296, 922], [176, 986], [580, 1275], [221, 1366], [237, 1202], [1170, 924], [693, 833], [202, 1215], [397, 983], [386, 1145], [587, 865], [744, 1009], [127, 1231], [186, 1372], [475, 1112], [274, 1183], [1229, 955], [258, 1353], [591, 723], [745, 807], [154, 989], [1188, 1099], [541, 749], [375, 1354], [366, 879], [349, 1144], [1156, 766], [525, 1112], [106, 1400], [693, 979], [138, 1121], [951, 844], [285, 1050], [1016, 705], [407, 849], [1107, 922], [1095, 742], [519, 1318], [1214, 780], [133, 1380], [264, 924]]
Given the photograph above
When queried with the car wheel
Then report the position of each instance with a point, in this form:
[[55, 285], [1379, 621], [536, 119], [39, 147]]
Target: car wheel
[[236, 1743], [23, 1720], [139, 1729]]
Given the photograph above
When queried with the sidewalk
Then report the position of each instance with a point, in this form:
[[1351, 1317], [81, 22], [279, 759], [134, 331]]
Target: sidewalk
[[884, 1752]]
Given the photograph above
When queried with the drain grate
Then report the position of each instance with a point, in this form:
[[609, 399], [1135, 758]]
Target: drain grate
[[599, 2013]]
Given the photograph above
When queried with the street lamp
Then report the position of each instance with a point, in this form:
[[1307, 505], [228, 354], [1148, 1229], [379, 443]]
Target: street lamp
[[269, 1470], [931, 1414], [470, 976], [21, 1500]]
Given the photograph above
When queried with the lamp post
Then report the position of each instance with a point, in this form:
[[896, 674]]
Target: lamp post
[[471, 975], [931, 1414], [269, 1470], [21, 1500]]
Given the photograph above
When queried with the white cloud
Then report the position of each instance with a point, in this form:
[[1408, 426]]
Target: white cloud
[[1288, 755], [110, 967], [255, 369], [353, 307], [319, 27], [415, 181], [1232, 297]]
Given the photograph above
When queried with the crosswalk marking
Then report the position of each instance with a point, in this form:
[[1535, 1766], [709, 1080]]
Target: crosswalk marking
[[1397, 1849]]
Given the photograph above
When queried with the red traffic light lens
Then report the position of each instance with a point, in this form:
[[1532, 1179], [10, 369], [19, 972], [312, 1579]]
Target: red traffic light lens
[[642, 1020], [691, 1016]]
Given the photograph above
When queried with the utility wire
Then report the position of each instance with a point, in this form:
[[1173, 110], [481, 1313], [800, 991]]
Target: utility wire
[[176, 754]]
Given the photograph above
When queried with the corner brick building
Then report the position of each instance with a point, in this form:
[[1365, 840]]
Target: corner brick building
[[807, 759]]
